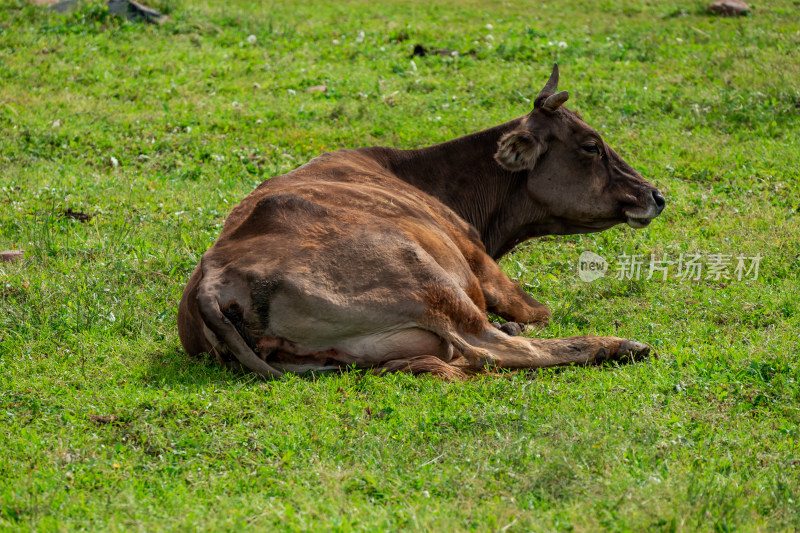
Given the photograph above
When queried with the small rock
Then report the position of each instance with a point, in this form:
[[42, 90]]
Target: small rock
[[317, 89], [77, 215], [729, 8], [134, 11], [421, 51], [63, 7], [103, 419], [9, 256]]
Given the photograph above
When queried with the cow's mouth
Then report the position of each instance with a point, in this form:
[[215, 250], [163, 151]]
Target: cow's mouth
[[641, 218], [638, 222]]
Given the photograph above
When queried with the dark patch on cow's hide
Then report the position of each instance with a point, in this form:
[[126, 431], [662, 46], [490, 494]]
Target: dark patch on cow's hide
[[262, 291], [410, 256]]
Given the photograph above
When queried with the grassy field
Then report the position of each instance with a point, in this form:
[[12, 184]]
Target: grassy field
[[157, 131]]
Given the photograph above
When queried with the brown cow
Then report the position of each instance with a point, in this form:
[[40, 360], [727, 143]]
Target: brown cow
[[381, 258]]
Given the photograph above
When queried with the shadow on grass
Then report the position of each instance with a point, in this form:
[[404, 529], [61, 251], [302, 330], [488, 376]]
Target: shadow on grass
[[177, 368]]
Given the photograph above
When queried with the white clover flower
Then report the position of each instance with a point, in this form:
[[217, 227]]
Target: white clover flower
[[252, 39], [489, 27], [360, 38], [335, 41], [562, 45], [489, 37]]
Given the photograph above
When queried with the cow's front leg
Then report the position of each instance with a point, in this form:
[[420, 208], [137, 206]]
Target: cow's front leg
[[508, 300]]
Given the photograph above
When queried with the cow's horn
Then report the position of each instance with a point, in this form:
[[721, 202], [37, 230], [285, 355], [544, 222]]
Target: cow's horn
[[554, 102], [552, 84]]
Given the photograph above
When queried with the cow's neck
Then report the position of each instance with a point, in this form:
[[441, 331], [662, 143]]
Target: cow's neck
[[463, 175]]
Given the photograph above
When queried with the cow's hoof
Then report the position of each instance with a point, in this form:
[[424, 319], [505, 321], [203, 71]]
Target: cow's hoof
[[632, 351], [621, 351], [478, 358], [513, 329]]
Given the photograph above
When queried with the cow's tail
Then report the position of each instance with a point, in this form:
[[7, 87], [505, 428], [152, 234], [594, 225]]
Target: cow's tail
[[223, 335]]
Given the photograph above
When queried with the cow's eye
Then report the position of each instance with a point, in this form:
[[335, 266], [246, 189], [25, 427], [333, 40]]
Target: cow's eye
[[592, 148]]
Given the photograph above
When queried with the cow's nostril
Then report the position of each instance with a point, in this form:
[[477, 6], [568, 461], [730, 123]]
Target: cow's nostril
[[660, 202]]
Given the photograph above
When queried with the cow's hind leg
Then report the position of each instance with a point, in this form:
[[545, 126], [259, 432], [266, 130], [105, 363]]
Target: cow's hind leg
[[495, 349], [520, 352], [454, 317]]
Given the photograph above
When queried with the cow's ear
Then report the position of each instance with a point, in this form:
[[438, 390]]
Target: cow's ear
[[519, 150]]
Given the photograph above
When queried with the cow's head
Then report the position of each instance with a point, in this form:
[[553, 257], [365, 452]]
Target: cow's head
[[576, 182]]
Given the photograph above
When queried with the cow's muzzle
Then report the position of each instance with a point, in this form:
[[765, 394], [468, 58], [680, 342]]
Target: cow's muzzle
[[640, 218]]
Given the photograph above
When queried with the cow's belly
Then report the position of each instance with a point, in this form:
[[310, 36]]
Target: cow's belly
[[362, 351], [400, 344]]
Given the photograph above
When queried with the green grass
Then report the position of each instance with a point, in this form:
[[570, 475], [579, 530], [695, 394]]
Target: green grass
[[158, 131]]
